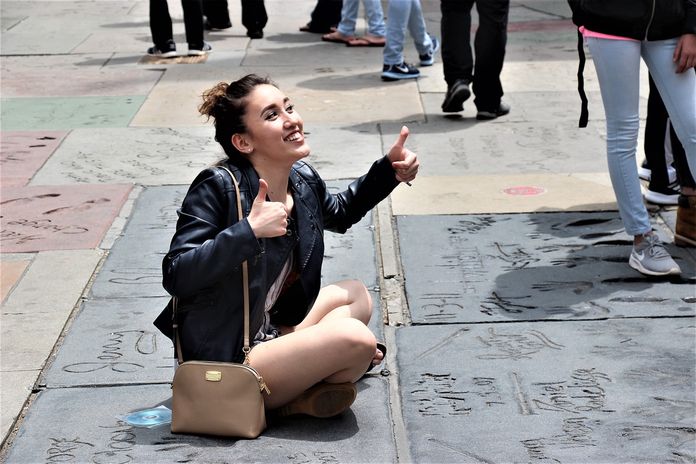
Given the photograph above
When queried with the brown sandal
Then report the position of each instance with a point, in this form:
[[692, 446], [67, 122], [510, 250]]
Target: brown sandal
[[322, 400]]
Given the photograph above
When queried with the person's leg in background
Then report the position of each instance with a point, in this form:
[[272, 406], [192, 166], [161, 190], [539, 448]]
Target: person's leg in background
[[395, 67], [457, 57], [426, 45], [161, 30], [661, 190], [489, 50], [376, 27], [193, 23], [325, 15], [217, 15], [617, 63], [678, 92], [254, 17]]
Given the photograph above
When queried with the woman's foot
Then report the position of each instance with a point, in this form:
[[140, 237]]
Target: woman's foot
[[649, 257], [337, 37], [322, 400]]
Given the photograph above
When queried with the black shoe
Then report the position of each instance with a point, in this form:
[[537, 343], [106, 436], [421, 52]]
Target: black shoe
[[167, 51], [255, 34], [502, 110], [457, 94], [395, 72], [200, 49], [208, 26]]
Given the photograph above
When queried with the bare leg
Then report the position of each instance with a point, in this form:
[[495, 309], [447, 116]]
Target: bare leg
[[332, 344]]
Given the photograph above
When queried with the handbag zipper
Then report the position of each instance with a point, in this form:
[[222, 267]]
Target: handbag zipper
[[259, 379]]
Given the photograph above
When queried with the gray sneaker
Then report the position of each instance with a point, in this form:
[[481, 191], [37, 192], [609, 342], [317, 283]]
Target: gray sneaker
[[649, 257]]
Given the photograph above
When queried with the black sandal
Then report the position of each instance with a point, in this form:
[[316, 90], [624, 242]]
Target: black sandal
[[383, 348]]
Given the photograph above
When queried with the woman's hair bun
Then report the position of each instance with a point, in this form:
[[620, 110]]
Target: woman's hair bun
[[211, 99]]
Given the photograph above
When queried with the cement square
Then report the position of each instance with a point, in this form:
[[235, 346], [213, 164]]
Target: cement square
[[10, 273], [23, 153], [113, 342], [505, 194], [501, 267], [133, 268], [62, 113], [59, 217], [84, 424], [455, 144], [155, 156], [591, 392], [320, 95], [23, 77]]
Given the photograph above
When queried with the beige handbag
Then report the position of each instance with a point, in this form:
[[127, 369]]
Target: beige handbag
[[219, 398]]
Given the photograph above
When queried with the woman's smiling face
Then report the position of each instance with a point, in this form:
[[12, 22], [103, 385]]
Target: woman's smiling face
[[274, 130]]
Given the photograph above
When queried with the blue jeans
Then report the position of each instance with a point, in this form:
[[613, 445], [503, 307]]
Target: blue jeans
[[403, 14], [373, 11], [618, 68]]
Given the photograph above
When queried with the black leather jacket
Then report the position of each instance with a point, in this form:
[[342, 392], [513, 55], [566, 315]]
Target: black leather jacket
[[636, 19], [203, 265]]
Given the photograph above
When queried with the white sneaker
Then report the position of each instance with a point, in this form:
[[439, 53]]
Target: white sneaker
[[649, 257]]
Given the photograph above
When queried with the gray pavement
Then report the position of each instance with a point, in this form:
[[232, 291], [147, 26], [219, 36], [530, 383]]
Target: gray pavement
[[516, 330]]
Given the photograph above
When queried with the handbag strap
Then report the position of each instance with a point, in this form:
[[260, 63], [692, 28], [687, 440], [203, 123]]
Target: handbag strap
[[245, 285]]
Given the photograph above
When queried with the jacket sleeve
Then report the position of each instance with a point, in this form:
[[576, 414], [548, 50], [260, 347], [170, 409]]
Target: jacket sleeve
[[204, 249], [690, 21], [340, 211]]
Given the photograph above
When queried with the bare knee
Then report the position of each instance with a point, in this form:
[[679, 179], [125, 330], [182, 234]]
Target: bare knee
[[356, 345], [360, 298]]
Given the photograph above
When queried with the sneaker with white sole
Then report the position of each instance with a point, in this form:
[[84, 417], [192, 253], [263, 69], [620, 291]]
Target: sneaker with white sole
[[645, 173], [200, 49], [167, 51], [429, 58], [668, 196], [395, 72], [649, 257]]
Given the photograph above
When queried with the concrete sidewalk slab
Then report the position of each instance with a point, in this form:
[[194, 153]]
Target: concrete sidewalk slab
[[12, 268], [29, 80], [32, 320], [318, 95], [23, 153], [59, 217], [62, 113], [447, 145], [361, 434], [145, 156], [504, 194], [554, 266], [113, 342], [596, 392]]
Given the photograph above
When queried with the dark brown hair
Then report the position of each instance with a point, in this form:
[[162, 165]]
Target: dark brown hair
[[226, 104]]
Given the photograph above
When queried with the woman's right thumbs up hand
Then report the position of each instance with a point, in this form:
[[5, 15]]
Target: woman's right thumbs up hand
[[267, 218]]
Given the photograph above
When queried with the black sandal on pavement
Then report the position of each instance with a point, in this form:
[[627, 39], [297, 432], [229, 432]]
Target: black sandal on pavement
[[383, 348]]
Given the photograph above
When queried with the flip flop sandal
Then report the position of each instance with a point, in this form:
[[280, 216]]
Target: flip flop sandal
[[367, 42], [383, 348], [337, 37]]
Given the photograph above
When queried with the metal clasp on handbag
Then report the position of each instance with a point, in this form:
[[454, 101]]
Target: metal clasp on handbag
[[213, 376]]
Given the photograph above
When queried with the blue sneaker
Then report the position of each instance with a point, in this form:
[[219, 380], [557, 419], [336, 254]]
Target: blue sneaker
[[395, 72], [429, 58]]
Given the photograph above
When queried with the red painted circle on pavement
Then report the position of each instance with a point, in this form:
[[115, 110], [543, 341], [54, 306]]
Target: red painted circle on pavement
[[524, 190]]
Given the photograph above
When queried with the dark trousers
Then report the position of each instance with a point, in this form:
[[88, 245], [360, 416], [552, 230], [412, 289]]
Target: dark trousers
[[254, 16], [161, 23], [654, 144], [326, 13], [489, 47]]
